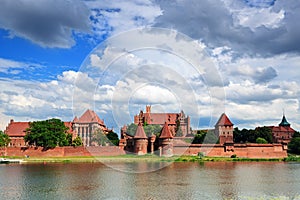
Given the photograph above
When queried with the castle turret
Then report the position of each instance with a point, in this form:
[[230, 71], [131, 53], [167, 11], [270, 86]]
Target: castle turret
[[140, 141], [224, 129], [166, 141]]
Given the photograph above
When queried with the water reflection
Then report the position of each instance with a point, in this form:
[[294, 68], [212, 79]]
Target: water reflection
[[210, 180]]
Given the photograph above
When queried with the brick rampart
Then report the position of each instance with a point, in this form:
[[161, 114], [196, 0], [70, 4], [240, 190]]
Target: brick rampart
[[63, 151], [240, 150]]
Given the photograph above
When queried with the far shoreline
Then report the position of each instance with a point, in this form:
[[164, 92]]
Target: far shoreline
[[146, 158]]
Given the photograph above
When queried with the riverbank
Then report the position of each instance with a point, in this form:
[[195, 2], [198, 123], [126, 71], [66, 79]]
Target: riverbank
[[148, 158]]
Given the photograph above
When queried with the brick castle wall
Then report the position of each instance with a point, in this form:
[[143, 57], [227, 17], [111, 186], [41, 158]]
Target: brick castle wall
[[240, 150], [64, 151]]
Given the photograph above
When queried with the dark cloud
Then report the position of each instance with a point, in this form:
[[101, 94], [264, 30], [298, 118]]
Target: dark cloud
[[49, 23], [265, 75], [213, 23]]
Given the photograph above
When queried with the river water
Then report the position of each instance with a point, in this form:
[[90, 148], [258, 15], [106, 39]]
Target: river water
[[187, 180]]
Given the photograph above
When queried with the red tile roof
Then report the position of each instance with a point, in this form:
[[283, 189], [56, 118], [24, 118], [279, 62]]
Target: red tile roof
[[165, 132], [16, 129], [161, 118], [88, 117], [19, 128], [224, 121], [140, 133]]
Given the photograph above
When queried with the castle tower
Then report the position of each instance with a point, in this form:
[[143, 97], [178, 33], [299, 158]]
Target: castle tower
[[166, 141], [224, 129], [140, 141]]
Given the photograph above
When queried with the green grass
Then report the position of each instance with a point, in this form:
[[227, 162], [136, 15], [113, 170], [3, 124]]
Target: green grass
[[148, 158]]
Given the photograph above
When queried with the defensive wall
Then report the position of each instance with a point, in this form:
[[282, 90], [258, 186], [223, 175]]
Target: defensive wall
[[240, 150], [211, 150], [62, 151]]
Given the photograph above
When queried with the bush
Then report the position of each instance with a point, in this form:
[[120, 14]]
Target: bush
[[233, 156], [260, 140]]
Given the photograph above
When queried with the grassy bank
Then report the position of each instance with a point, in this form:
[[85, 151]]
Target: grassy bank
[[148, 158]]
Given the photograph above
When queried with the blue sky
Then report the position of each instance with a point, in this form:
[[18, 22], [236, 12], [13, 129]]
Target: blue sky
[[54, 59]]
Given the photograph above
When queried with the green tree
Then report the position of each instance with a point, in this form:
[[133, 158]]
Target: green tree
[[265, 133], [47, 134], [4, 139], [99, 137], [77, 142], [205, 137], [152, 129], [178, 129], [260, 140], [199, 137], [113, 138], [131, 129], [294, 145]]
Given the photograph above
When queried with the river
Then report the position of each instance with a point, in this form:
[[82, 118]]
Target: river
[[186, 180]]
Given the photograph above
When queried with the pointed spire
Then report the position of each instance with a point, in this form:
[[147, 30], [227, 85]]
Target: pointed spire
[[140, 133], [165, 132], [284, 122]]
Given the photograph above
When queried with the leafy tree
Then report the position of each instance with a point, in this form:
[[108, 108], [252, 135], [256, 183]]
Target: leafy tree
[[113, 138], [294, 145], [199, 137], [99, 137], [48, 133], [260, 140], [4, 139], [178, 129], [250, 135], [265, 133], [148, 128], [131, 129], [152, 129], [205, 137], [77, 142], [68, 141], [210, 138]]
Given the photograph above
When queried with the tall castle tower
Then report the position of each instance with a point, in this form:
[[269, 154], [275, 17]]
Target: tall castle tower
[[224, 129], [166, 141], [140, 141]]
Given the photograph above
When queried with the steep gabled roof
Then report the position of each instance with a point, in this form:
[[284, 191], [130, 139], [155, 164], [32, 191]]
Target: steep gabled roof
[[224, 121], [89, 116], [140, 133], [16, 128], [165, 132]]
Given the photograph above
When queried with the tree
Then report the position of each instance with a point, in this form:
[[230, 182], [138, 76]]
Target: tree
[[260, 140], [265, 133], [77, 142], [47, 134], [131, 129], [206, 137], [99, 137], [178, 129], [113, 138], [199, 137], [294, 145], [151, 129], [4, 139]]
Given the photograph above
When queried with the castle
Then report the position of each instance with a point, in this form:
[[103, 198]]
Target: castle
[[83, 127], [167, 144], [174, 120]]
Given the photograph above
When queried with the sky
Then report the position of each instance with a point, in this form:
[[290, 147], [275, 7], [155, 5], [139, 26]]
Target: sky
[[60, 57]]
